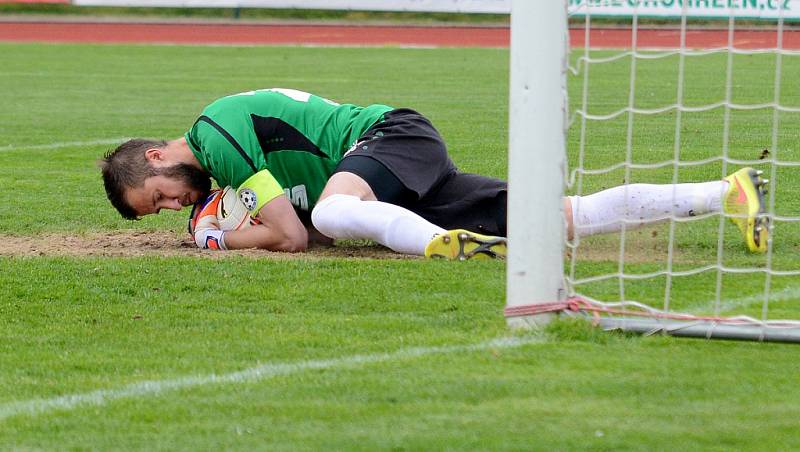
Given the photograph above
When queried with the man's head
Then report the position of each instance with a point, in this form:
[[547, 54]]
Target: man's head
[[140, 178]]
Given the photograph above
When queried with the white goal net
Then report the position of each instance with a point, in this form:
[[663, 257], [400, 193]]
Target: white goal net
[[684, 96]]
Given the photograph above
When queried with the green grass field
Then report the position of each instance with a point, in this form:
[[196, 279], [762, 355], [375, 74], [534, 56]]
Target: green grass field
[[249, 352]]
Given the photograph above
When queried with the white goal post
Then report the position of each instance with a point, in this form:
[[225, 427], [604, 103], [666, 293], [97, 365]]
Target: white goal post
[[541, 270], [537, 112]]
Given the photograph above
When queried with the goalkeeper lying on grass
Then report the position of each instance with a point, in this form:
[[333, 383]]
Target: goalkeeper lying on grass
[[370, 172]]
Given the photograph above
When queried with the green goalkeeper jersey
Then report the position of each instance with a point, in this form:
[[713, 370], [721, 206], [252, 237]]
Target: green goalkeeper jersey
[[298, 137]]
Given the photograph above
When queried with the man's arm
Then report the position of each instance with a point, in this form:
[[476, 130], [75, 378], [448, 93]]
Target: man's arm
[[280, 229]]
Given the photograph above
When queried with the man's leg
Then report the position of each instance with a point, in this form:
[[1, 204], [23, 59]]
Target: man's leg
[[640, 204], [348, 209], [741, 194]]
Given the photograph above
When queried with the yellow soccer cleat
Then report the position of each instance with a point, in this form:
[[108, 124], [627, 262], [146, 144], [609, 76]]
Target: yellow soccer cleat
[[744, 201], [460, 244]]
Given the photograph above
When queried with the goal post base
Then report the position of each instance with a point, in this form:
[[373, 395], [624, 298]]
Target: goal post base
[[529, 322], [638, 318], [700, 329], [535, 315]]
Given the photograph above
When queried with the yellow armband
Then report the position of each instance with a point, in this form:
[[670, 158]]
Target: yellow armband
[[257, 190]]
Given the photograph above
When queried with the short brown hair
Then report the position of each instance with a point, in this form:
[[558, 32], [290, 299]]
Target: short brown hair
[[126, 167]]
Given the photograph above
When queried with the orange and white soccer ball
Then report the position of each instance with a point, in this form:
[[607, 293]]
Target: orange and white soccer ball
[[221, 207]]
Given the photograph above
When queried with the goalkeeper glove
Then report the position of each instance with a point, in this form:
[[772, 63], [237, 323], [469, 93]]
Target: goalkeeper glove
[[210, 239], [204, 225]]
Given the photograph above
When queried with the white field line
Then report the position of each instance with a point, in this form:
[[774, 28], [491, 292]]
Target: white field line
[[65, 144], [101, 397]]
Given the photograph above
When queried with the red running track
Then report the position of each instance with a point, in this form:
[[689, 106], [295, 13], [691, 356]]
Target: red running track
[[366, 35]]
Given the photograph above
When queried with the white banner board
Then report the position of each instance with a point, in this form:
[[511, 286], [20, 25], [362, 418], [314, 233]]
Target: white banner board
[[754, 9], [446, 6]]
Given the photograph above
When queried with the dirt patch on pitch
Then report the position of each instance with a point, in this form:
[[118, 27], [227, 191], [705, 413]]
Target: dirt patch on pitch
[[641, 247], [165, 243]]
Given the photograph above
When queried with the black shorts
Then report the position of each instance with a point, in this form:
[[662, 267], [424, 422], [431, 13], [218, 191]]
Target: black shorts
[[404, 160]]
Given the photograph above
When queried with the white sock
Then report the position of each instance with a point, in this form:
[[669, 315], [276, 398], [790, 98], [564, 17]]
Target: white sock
[[645, 204], [348, 217]]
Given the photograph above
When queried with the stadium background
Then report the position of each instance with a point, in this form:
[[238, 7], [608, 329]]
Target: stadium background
[[131, 339]]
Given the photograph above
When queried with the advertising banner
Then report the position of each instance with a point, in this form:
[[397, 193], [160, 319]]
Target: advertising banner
[[752, 9]]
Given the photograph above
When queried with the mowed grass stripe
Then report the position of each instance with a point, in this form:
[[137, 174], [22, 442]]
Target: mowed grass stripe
[[155, 387], [731, 305], [68, 144]]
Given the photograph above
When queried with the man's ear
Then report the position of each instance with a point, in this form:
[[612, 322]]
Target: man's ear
[[154, 155]]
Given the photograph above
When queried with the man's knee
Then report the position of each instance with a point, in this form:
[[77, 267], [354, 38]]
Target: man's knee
[[345, 183], [327, 215]]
